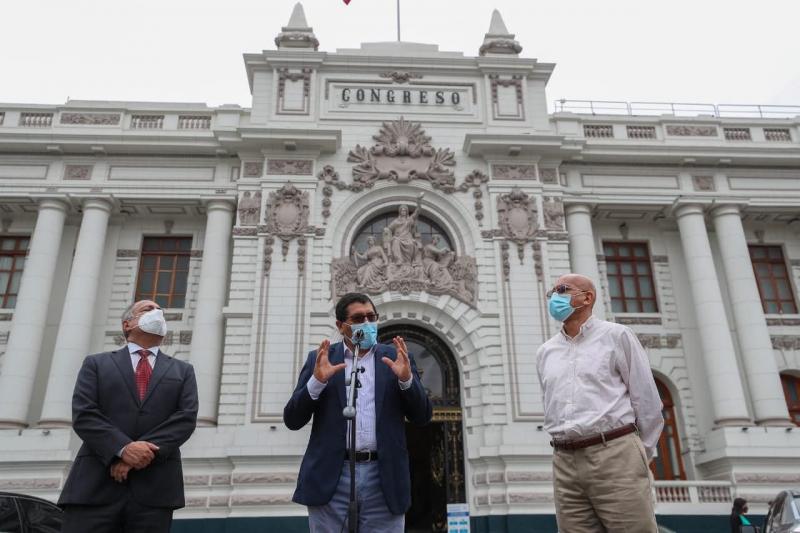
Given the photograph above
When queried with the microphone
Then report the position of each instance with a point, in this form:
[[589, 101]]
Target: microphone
[[358, 337]]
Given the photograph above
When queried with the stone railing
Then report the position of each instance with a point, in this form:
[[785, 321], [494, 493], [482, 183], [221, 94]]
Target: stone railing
[[694, 492], [36, 120], [641, 132], [777, 134], [194, 122], [678, 109], [602, 131], [737, 134], [147, 122]]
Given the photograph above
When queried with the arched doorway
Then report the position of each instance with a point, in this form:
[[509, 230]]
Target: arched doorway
[[436, 451], [668, 464]]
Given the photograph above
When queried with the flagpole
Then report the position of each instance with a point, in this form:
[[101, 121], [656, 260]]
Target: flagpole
[[398, 21]]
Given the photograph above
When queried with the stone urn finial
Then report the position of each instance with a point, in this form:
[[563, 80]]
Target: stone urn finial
[[297, 34], [497, 40]]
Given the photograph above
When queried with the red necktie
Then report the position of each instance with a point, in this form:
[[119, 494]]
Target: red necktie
[[143, 372]]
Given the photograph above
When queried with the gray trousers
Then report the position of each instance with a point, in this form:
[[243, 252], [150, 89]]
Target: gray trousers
[[374, 515]]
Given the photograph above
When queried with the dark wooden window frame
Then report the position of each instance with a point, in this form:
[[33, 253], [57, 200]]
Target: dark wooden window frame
[[17, 255], [784, 305], [791, 391], [669, 433], [172, 298], [618, 261]]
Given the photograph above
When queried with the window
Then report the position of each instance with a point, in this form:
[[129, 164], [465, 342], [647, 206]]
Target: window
[[668, 464], [630, 277], [374, 227], [791, 390], [12, 261], [164, 270], [773, 279]]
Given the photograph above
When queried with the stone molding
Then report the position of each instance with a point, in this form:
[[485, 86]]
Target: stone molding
[[785, 342], [675, 130], [703, 183], [638, 320], [253, 169], [668, 341], [549, 175], [399, 76]]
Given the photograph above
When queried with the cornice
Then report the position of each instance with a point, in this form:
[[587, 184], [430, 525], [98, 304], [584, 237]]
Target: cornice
[[681, 153], [522, 145]]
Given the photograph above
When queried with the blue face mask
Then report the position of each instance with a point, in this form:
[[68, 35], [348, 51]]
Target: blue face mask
[[560, 306], [370, 330]]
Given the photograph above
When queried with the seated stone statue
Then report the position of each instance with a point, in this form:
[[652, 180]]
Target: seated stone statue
[[372, 274]]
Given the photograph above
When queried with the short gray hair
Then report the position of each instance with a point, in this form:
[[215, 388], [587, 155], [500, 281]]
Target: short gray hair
[[127, 315]]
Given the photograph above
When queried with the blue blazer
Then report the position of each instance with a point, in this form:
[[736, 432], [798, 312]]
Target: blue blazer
[[325, 455]]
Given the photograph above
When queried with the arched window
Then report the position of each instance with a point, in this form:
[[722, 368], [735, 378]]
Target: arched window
[[374, 227], [668, 465], [791, 389]]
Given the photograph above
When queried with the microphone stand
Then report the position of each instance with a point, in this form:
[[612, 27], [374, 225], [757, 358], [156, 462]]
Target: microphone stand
[[349, 413]]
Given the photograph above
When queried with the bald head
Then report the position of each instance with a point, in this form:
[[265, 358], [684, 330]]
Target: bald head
[[580, 282]]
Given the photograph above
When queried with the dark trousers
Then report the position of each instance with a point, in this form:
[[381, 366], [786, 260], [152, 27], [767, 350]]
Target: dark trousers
[[123, 516]]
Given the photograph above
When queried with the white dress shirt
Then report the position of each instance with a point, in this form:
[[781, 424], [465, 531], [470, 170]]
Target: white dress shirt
[[133, 348], [366, 439], [598, 381]]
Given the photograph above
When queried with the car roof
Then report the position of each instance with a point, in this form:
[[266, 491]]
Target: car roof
[[26, 496]]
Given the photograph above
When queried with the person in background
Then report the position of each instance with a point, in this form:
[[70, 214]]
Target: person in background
[[738, 518]]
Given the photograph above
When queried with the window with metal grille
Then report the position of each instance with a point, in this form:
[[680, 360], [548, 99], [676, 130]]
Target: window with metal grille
[[164, 270], [630, 277], [791, 389], [668, 463], [12, 262], [773, 280]]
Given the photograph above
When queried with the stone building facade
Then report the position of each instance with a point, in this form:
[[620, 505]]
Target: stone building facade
[[440, 184]]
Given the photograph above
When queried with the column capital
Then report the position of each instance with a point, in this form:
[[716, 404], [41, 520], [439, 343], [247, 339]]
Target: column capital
[[681, 210], [105, 204], [219, 204], [727, 209], [54, 203], [578, 208]]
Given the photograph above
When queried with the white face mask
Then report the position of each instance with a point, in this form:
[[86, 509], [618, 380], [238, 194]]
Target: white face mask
[[153, 322]]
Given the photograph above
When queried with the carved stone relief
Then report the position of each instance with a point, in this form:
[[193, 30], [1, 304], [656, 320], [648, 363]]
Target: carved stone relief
[[703, 183], [691, 131], [287, 211], [400, 76], [78, 172], [289, 167], [549, 175], [402, 153], [250, 208], [284, 75], [253, 169], [401, 262], [90, 119], [553, 209], [785, 342], [659, 341], [514, 172], [517, 215]]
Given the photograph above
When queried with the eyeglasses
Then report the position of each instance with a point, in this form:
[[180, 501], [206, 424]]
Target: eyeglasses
[[561, 289], [360, 319]]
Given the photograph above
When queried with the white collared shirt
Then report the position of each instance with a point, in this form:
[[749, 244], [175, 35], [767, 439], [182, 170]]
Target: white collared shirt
[[366, 439], [598, 381], [133, 348]]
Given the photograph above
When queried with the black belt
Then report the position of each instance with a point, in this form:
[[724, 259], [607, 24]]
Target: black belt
[[362, 457]]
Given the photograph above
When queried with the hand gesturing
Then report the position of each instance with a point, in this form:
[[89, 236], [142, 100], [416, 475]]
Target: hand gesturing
[[402, 365], [323, 369]]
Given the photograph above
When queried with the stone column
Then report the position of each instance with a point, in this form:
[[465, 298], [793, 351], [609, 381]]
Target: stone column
[[75, 329], [30, 315], [763, 379], [207, 333], [727, 394], [582, 253]]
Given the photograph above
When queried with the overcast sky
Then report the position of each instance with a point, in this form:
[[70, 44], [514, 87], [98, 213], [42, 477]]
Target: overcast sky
[[715, 51]]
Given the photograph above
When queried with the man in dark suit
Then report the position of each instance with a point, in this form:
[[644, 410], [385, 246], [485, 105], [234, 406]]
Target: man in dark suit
[[390, 392], [133, 409]]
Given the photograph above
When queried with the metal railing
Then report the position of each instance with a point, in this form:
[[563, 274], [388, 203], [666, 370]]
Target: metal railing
[[685, 109]]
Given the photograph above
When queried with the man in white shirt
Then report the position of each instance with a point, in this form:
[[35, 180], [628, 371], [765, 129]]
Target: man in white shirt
[[603, 412]]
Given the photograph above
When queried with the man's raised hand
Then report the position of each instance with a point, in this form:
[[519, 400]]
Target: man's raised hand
[[402, 365], [323, 369]]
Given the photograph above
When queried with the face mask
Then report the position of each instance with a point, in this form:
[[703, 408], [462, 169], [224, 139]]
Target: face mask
[[560, 306], [370, 330], [153, 322]]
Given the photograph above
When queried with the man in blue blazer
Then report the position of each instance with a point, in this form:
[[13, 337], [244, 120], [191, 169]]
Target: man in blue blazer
[[132, 408], [390, 392]]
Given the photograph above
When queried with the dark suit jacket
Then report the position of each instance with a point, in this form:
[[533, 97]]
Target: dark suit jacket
[[324, 458], [107, 415]]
